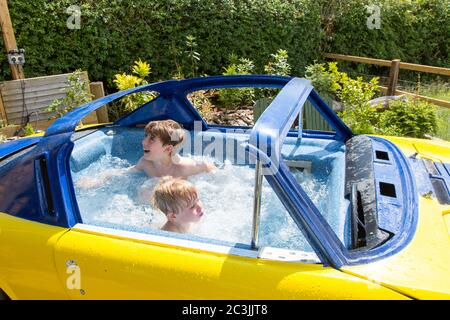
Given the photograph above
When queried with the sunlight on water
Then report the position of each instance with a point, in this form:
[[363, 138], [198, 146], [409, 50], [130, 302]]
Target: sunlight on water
[[227, 197]]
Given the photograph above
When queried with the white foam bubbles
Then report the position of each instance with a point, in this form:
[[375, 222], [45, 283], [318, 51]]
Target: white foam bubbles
[[227, 197]]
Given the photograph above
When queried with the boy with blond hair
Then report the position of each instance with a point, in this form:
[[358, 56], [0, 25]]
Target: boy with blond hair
[[178, 200]]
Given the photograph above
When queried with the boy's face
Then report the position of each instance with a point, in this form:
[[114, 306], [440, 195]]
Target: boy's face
[[190, 213], [154, 148]]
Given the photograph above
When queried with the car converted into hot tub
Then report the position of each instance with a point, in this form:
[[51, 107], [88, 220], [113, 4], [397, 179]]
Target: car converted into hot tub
[[290, 213]]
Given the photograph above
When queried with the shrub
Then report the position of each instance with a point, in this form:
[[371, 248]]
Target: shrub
[[201, 100], [361, 118], [414, 31], [192, 55], [321, 78], [141, 70], [237, 97], [278, 64], [412, 118], [353, 94], [28, 130], [350, 92], [114, 32], [356, 92]]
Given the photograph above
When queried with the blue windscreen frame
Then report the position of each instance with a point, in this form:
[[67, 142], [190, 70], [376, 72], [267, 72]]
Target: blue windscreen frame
[[266, 140]]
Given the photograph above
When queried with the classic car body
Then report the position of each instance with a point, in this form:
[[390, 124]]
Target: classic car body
[[390, 195]]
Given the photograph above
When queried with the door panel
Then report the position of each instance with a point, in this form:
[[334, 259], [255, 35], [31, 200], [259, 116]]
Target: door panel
[[111, 267], [27, 268]]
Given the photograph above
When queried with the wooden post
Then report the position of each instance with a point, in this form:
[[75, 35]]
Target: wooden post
[[98, 92], [393, 77], [2, 110], [9, 39]]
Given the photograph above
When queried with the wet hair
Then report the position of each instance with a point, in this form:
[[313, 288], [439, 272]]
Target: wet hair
[[168, 131], [173, 194]]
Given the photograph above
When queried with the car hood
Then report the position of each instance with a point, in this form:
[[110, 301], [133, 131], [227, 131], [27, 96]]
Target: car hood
[[421, 270]]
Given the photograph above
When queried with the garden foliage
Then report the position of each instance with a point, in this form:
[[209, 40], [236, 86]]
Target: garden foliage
[[235, 97], [414, 31], [77, 94], [413, 118], [114, 32], [123, 81]]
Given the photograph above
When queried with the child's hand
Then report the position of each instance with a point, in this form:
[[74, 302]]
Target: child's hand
[[87, 183], [209, 167]]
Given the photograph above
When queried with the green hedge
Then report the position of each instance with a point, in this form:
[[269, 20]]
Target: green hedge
[[114, 33], [415, 31]]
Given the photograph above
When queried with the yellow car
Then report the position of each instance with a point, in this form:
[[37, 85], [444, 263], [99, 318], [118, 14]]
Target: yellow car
[[289, 214]]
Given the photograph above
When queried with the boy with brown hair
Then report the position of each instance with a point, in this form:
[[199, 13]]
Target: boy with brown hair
[[161, 141], [178, 200]]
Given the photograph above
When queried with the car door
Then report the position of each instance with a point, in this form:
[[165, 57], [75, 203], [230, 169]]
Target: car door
[[102, 263], [27, 268]]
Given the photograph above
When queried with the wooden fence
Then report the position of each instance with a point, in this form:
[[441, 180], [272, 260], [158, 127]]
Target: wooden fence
[[395, 66], [20, 99]]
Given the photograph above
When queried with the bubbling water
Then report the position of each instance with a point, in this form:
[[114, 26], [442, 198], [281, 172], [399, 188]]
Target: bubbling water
[[227, 197]]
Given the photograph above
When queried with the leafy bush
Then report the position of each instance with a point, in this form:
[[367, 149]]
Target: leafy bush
[[361, 118], [278, 64], [353, 94], [114, 32], [356, 92], [331, 81], [322, 79], [201, 100], [193, 56], [236, 97], [28, 130], [77, 94], [411, 118], [414, 31], [141, 70]]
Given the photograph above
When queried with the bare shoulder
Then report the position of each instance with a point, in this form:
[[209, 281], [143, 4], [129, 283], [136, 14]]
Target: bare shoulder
[[189, 166], [143, 165]]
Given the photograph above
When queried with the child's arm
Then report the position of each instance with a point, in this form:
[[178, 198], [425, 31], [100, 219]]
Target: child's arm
[[192, 167], [208, 167], [88, 182]]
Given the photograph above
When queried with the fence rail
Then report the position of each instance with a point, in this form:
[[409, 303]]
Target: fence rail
[[438, 102], [395, 66], [388, 63]]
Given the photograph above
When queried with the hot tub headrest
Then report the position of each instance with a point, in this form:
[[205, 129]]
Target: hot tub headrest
[[86, 153]]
